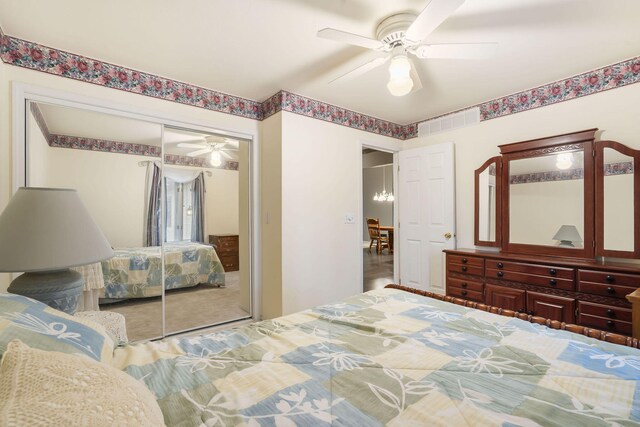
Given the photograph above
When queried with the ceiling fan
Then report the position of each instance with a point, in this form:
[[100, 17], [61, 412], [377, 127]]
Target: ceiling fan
[[402, 35], [218, 147]]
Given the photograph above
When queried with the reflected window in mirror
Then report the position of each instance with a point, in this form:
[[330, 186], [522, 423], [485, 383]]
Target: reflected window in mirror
[[546, 200]]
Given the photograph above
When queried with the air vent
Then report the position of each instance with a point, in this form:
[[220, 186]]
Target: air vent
[[453, 121]]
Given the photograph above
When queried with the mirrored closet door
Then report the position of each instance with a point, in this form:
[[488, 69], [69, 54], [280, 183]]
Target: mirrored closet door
[[111, 161], [206, 229], [173, 203]]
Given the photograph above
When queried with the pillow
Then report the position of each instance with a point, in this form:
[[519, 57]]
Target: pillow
[[46, 328], [50, 388]]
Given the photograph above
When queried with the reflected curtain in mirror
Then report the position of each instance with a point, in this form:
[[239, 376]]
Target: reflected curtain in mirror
[[153, 195], [198, 209]]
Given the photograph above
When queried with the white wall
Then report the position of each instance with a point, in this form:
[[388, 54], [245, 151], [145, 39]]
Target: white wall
[[321, 176], [10, 74], [271, 215], [614, 112]]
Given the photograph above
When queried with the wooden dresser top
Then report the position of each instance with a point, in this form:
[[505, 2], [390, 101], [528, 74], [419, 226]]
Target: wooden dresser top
[[619, 266]]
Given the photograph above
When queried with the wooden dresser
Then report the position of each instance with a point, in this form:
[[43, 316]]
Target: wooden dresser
[[585, 293], [227, 248]]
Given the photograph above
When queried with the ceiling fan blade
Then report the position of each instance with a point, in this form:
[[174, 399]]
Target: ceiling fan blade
[[199, 152], [354, 39], [456, 50], [367, 66], [225, 154], [430, 18], [190, 145]]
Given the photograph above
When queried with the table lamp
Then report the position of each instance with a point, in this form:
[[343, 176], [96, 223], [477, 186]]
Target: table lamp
[[567, 234], [44, 232]]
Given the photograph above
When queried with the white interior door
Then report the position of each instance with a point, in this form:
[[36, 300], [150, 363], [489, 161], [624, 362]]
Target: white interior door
[[427, 214]]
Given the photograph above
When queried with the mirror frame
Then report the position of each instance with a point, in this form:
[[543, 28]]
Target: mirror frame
[[635, 154], [583, 140], [497, 160]]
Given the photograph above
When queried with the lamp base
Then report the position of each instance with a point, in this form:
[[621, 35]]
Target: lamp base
[[566, 243], [59, 289]]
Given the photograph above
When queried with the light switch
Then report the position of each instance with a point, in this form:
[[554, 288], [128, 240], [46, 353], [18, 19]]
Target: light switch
[[349, 218]]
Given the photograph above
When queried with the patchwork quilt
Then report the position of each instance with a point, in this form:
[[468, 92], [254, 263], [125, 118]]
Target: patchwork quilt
[[137, 272], [388, 357]]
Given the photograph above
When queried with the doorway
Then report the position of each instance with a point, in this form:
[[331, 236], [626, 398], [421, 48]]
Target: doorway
[[378, 214]]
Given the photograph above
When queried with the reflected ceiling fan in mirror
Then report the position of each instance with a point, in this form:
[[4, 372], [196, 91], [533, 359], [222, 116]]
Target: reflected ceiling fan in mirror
[[401, 35], [217, 147]]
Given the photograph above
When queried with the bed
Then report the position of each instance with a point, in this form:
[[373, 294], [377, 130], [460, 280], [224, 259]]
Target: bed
[[390, 357], [137, 272]]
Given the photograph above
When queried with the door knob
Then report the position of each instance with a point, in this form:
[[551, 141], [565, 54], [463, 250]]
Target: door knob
[[448, 235]]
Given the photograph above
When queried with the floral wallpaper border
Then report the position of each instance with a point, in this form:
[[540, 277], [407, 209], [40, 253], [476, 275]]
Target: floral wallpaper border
[[103, 145], [298, 104], [34, 56]]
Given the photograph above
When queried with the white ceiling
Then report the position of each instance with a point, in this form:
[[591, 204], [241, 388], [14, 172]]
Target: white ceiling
[[253, 48]]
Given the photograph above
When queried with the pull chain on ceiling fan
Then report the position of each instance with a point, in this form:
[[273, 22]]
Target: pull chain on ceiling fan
[[402, 35]]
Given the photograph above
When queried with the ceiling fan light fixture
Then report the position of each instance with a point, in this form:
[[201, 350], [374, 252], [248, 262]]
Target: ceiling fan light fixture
[[215, 159], [400, 82]]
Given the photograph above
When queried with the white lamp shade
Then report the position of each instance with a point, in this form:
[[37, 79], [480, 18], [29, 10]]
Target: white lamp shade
[[44, 229], [568, 233]]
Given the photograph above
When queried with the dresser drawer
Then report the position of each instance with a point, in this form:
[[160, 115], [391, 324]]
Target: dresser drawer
[[609, 278], [465, 284], [608, 311], [532, 279], [465, 293], [604, 324], [466, 269], [228, 260], [614, 291], [465, 260], [536, 269]]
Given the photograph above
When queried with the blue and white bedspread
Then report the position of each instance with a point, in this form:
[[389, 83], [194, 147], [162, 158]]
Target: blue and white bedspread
[[137, 272], [388, 357]]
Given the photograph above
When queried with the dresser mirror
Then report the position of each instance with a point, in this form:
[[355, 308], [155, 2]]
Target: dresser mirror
[[487, 203], [618, 194], [546, 200], [565, 196]]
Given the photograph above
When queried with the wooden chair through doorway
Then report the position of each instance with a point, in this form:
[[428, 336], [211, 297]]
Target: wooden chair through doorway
[[373, 225]]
